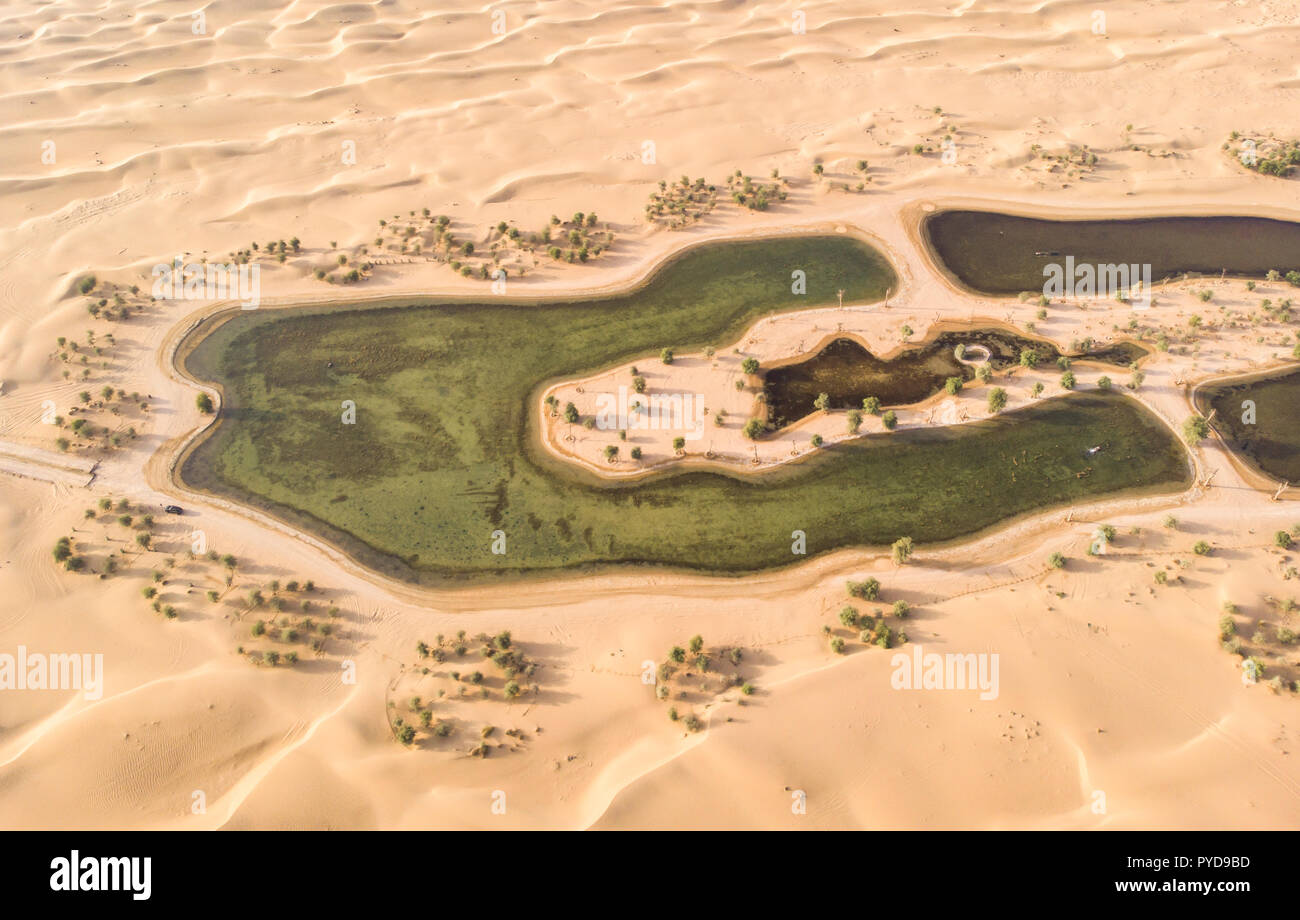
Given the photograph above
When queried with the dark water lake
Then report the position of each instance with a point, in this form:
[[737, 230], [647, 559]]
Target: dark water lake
[[1271, 442], [847, 372], [1001, 254]]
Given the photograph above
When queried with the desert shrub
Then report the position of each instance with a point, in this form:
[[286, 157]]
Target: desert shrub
[[867, 590]]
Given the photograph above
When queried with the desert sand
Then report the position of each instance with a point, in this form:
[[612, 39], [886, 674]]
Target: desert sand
[[169, 143]]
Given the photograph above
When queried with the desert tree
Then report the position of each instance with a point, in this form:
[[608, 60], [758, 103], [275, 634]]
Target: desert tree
[[1195, 429]]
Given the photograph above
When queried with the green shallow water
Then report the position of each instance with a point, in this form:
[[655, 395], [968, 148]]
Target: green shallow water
[[443, 452]]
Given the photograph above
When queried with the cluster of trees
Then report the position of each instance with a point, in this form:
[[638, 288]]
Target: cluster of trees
[[285, 628], [873, 629], [745, 192], [1075, 155], [278, 248], [63, 547], [870, 406], [500, 649], [584, 241], [868, 590], [1229, 641], [100, 306], [1281, 158], [685, 201], [861, 167], [578, 240], [681, 203], [695, 656], [114, 400], [64, 555]]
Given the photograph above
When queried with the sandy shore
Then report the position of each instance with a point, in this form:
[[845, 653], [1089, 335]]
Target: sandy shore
[[166, 142]]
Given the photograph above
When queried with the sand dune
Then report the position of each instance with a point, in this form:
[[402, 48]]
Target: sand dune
[[131, 138]]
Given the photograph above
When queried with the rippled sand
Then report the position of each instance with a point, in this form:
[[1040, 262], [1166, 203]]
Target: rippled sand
[[166, 142]]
